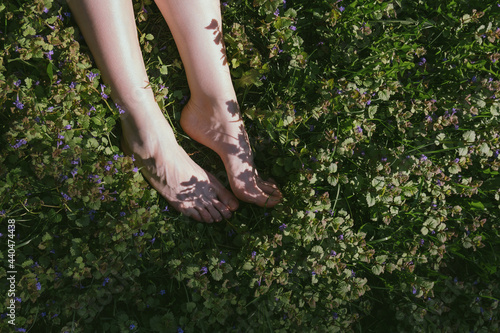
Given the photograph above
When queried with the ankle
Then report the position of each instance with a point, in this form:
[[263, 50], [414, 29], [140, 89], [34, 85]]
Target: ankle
[[215, 101]]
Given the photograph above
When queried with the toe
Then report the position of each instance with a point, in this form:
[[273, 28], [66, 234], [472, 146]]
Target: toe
[[259, 197], [204, 213], [223, 209], [270, 188], [226, 197], [214, 213], [191, 212]]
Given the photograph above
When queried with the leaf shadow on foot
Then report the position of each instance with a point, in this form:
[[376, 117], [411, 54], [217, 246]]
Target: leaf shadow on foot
[[219, 40]]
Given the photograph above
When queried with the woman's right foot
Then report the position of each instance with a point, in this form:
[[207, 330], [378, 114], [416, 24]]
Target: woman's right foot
[[185, 185]]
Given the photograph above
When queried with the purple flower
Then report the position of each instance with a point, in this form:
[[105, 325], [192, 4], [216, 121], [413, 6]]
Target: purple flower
[[224, 4], [277, 12], [74, 172], [359, 129], [91, 76], [49, 54], [414, 291], [106, 280], [38, 286], [341, 8], [422, 61], [132, 326], [341, 237], [19, 143], [120, 110], [17, 83], [293, 28], [18, 104], [423, 158], [103, 94], [65, 196], [204, 270], [68, 127], [282, 227]]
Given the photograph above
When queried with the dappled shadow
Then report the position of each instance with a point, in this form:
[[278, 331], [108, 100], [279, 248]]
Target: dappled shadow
[[191, 192], [219, 40], [233, 108]]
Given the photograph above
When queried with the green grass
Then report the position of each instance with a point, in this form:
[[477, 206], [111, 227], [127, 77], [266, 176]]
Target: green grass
[[379, 120]]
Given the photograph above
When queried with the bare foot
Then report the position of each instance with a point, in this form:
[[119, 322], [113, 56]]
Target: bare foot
[[221, 128], [189, 189]]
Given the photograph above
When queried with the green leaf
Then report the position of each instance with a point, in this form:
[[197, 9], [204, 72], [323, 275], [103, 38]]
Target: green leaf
[[378, 269], [384, 95], [248, 78], [372, 109], [424, 231], [469, 136], [291, 12], [97, 121], [495, 109], [477, 205], [50, 71], [370, 200], [190, 306], [217, 274], [247, 266], [454, 169]]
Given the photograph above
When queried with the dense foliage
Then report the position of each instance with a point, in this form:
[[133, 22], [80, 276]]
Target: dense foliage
[[379, 119]]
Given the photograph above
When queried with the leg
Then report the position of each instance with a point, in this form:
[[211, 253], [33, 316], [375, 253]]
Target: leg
[[109, 30], [212, 115]]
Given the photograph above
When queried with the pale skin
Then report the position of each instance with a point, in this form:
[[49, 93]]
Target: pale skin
[[211, 116]]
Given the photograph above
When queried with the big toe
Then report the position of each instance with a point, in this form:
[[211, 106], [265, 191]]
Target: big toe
[[259, 197], [270, 187]]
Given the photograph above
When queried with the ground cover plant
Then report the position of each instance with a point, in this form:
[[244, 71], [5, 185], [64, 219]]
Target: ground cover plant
[[379, 119]]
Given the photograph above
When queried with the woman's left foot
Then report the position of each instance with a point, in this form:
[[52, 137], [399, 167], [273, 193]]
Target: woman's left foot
[[219, 126]]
